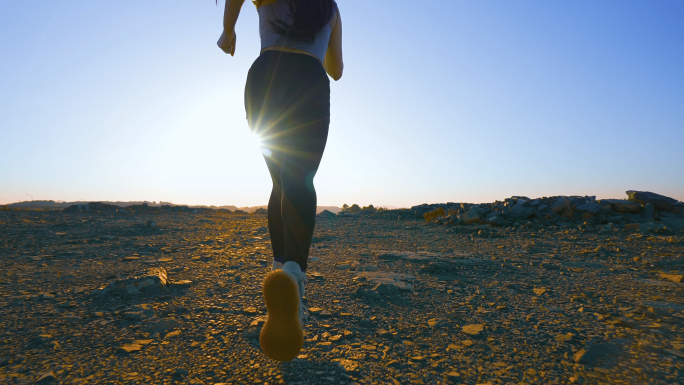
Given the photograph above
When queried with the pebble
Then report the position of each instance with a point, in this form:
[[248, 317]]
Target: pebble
[[474, 329]]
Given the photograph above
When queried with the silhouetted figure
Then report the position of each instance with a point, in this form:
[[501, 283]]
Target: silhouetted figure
[[287, 98]]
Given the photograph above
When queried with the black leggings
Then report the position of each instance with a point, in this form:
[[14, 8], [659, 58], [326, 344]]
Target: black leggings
[[287, 98]]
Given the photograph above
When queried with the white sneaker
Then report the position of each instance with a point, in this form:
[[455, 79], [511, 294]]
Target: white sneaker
[[282, 336], [276, 266], [293, 270]]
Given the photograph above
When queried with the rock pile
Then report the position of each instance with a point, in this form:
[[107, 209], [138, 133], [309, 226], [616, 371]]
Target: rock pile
[[645, 211]]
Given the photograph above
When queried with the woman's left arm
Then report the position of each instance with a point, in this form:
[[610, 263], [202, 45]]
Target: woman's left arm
[[228, 38]]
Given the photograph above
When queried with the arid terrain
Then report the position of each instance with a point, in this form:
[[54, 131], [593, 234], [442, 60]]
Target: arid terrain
[[146, 296]]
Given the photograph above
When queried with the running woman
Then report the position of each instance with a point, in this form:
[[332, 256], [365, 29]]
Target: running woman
[[287, 99]]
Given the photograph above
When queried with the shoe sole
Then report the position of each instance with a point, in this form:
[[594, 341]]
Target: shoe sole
[[281, 337]]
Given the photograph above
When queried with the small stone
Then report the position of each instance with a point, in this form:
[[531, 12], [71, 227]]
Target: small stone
[[587, 217], [315, 310], [632, 226], [132, 258], [562, 338], [182, 284], [259, 321], [343, 266], [474, 329], [394, 364], [435, 322], [467, 343], [348, 365], [539, 291], [453, 376], [129, 348], [46, 378], [172, 334], [71, 319], [676, 278]]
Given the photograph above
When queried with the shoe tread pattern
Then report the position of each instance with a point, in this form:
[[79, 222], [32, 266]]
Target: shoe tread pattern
[[281, 337]]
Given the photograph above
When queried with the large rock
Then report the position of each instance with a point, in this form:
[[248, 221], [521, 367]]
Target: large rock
[[623, 206], [657, 200], [590, 207], [673, 222], [519, 211], [154, 281], [387, 289], [560, 204], [649, 212], [495, 220], [471, 216], [474, 329]]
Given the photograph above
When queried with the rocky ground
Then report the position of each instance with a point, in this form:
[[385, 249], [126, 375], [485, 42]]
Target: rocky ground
[[153, 296]]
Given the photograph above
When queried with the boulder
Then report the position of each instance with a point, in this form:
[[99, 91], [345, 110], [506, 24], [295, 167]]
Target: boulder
[[657, 200], [519, 211], [589, 207], [623, 206], [471, 216], [560, 204], [154, 281], [673, 222], [649, 212], [434, 214], [387, 289], [496, 220]]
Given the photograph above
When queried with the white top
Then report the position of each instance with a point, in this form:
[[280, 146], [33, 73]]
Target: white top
[[279, 9]]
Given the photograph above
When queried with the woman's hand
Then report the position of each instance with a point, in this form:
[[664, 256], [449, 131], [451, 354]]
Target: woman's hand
[[227, 45]]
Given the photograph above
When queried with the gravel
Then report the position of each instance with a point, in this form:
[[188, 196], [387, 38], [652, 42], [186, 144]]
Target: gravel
[[396, 300]]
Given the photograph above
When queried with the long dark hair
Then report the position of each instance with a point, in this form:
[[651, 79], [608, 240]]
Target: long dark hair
[[308, 17]]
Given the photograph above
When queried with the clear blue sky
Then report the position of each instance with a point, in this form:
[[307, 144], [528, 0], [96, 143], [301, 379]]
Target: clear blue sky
[[440, 101]]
